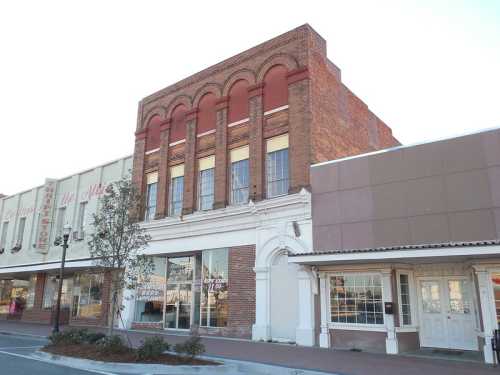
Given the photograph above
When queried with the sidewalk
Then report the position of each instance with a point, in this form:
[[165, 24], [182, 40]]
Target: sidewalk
[[341, 362]]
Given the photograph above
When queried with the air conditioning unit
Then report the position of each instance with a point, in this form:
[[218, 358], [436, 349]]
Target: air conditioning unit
[[16, 248], [78, 235]]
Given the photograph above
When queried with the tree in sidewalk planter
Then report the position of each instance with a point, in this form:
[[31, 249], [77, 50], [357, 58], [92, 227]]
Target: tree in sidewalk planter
[[117, 241]]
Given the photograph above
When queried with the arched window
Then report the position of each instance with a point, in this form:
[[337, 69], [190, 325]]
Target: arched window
[[206, 113], [153, 133], [275, 88], [238, 101], [178, 126]]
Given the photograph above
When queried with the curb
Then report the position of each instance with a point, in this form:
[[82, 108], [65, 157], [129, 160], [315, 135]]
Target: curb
[[14, 333], [228, 366]]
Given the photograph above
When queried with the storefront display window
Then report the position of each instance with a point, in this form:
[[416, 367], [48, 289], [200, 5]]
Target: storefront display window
[[13, 295], [50, 292], [150, 296], [87, 295], [356, 299], [214, 304], [30, 296]]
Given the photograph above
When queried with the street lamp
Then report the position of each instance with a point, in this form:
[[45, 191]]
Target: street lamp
[[65, 237]]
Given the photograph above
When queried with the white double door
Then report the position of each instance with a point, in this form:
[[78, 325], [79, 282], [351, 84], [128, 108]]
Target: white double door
[[447, 313]]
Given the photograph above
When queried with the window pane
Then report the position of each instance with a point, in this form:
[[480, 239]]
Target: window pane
[[3, 238], [30, 296], [355, 299], [150, 201], [277, 173], [214, 305], [87, 294], [51, 289], [405, 299], [239, 182], [150, 296], [13, 295], [206, 189], [176, 194]]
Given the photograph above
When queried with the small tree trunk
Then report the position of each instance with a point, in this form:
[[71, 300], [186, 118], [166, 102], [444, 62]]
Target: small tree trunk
[[113, 312]]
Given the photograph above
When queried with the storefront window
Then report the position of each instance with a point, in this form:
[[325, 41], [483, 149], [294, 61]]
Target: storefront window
[[30, 296], [13, 294], [150, 296], [180, 269], [356, 299], [87, 295], [214, 304], [50, 292]]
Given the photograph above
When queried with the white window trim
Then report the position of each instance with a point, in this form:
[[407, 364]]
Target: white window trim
[[152, 151], [277, 109], [239, 122], [354, 326], [413, 301], [205, 133], [177, 142]]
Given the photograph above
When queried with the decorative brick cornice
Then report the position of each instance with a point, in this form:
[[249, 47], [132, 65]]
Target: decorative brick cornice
[[256, 90], [140, 134], [191, 114], [222, 102], [165, 125], [297, 75]]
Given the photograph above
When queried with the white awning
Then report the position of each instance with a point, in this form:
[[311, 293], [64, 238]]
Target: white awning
[[431, 253], [27, 268]]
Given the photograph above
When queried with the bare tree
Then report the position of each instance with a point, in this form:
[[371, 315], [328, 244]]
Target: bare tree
[[117, 241]]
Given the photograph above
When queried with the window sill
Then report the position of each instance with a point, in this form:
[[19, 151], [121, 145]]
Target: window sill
[[358, 327], [407, 329]]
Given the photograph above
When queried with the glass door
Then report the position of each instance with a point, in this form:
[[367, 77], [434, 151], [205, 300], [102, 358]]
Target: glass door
[[179, 295]]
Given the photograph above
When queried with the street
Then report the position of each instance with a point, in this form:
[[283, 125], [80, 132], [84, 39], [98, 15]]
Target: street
[[15, 358]]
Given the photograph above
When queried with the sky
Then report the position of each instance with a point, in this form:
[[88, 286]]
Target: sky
[[72, 73]]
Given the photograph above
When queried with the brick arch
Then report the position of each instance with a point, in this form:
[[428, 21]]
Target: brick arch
[[155, 111], [279, 59], [246, 74], [213, 88], [181, 99]]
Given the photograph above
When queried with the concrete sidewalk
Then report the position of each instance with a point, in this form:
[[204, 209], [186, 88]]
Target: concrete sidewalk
[[333, 361]]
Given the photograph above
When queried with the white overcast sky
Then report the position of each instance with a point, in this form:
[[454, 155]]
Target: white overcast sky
[[72, 73]]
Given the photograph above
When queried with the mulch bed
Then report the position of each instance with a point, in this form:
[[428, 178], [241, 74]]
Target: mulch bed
[[89, 351]]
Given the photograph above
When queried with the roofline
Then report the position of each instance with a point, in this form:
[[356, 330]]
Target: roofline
[[68, 176], [401, 147]]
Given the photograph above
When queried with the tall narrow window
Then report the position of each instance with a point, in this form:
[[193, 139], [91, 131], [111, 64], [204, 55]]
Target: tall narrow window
[[3, 238], [239, 175], [404, 291], [20, 233], [151, 192], [87, 293], [50, 292], [61, 219], [30, 296], [214, 303], [277, 179], [176, 189], [206, 183], [81, 220]]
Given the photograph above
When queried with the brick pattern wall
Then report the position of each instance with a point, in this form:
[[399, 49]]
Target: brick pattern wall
[[325, 120]]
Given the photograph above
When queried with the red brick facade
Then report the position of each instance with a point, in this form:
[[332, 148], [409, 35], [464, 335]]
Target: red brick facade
[[324, 119]]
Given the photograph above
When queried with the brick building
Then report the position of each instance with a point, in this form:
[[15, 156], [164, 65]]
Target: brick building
[[30, 221], [222, 159]]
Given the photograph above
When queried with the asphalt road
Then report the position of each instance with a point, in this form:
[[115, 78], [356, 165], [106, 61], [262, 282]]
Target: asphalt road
[[15, 358]]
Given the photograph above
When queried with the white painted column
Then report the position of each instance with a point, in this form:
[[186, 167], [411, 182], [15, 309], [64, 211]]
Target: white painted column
[[391, 342], [128, 301], [304, 334], [261, 329], [487, 312], [324, 336]]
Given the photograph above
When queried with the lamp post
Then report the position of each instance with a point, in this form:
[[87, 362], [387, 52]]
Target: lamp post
[[65, 237]]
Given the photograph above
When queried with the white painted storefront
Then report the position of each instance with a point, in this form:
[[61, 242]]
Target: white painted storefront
[[276, 227]]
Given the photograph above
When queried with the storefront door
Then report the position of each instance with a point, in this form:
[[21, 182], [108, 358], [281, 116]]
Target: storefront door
[[446, 312], [179, 296]]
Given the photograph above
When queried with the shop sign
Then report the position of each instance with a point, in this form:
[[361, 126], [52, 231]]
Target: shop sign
[[215, 285], [49, 192]]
